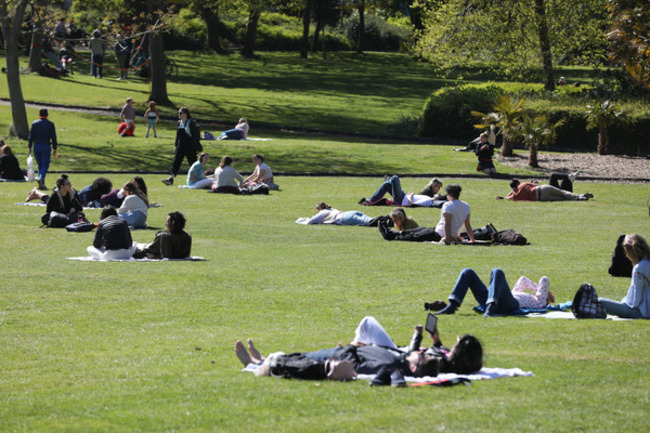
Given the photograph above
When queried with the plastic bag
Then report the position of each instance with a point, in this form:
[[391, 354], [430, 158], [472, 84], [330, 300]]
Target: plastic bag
[[30, 168]]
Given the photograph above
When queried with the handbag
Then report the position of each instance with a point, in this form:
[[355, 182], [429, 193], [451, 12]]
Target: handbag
[[586, 305]]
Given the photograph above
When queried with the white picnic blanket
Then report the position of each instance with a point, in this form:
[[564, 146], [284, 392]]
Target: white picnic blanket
[[90, 259], [567, 315]]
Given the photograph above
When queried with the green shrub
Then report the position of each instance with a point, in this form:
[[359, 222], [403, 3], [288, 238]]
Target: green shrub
[[379, 35]]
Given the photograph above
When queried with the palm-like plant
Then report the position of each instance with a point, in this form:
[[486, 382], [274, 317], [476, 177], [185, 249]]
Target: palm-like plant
[[535, 132], [507, 114], [602, 117]]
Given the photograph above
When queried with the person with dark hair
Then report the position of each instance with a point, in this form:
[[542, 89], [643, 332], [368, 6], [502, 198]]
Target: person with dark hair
[[559, 189], [327, 215], [196, 177], [90, 196], [240, 132], [261, 175], [454, 214], [428, 197], [42, 133], [112, 238], [636, 303], [116, 196], [97, 45], [484, 153], [372, 352], [186, 144], [173, 243], [9, 166], [134, 207], [497, 298], [63, 206], [227, 179]]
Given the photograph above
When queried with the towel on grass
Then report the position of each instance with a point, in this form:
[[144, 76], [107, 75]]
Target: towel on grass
[[40, 203], [90, 259], [303, 220]]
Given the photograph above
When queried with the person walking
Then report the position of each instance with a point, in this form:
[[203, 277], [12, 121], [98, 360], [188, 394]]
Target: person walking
[[42, 135]]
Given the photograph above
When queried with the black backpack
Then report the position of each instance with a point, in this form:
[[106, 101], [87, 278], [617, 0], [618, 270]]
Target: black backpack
[[620, 265], [509, 237]]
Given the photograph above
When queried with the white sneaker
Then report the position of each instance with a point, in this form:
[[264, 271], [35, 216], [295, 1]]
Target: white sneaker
[[572, 176]]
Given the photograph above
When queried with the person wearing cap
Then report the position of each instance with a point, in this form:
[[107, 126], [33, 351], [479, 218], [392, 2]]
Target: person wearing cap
[[42, 135]]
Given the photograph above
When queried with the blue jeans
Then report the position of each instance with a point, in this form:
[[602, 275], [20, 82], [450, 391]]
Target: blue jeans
[[620, 309], [135, 219], [497, 293], [391, 186], [42, 157], [354, 218], [232, 134], [322, 355]]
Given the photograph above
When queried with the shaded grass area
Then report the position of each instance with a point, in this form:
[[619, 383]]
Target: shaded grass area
[[374, 93], [91, 142], [148, 346]]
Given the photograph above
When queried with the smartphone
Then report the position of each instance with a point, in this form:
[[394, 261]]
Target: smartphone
[[432, 322]]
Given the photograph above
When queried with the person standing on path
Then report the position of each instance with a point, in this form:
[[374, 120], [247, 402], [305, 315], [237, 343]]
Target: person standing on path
[[42, 135]]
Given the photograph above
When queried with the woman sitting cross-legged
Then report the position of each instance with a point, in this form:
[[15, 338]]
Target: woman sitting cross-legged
[[196, 177], [497, 297], [173, 243], [63, 206], [227, 179], [112, 238], [134, 207]]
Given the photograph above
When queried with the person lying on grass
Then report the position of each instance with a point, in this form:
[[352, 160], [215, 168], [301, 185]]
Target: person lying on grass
[[636, 303], [371, 352], [454, 214], [497, 298], [428, 197], [327, 215], [532, 191]]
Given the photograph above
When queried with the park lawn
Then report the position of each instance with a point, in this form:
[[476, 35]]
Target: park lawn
[[124, 347], [376, 93], [91, 142]]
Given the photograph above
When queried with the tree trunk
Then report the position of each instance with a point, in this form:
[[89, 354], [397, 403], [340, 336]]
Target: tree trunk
[[544, 44], [36, 49], [306, 19], [251, 33], [157, 67], [603, 141], [532, 156], [213, 24], [11, 23], [507, 146], [416, 17], [314, 42], [362, 25]]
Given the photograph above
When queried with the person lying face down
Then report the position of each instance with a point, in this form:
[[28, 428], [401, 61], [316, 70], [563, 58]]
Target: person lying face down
[[367, 355], [532, 191]]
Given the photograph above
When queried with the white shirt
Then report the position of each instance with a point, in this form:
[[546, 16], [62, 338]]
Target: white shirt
[[459, 211]]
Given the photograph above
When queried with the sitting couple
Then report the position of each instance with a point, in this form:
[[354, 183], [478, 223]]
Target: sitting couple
[[371, 352]]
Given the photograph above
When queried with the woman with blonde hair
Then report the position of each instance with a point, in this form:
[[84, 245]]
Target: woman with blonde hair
[[636, 303]]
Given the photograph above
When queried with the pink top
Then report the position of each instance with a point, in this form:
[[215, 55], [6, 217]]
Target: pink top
[[531, 295]]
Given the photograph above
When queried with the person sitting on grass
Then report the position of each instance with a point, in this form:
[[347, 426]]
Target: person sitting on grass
[[240, 132], [91, 195], [112, 238], [227, 179], [116, 196], [532, 191], [454, 214], [134, 207], [261, 175], [327, 215], [497, 298], [636, 303], [9, 166], [172, 243], [484, 153], [371, 352], [429, 196], [196, 177], [63, 206]]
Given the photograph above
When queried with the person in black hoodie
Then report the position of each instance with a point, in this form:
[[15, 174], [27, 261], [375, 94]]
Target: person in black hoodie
[[9, 167], [63, 206], [112, 238]]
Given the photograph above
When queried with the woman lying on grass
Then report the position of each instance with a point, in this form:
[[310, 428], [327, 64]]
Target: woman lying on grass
[[636, 304], [371, 352], [327, 215]]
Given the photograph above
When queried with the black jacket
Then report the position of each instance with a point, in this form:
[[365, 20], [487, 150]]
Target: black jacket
[[112, 234]]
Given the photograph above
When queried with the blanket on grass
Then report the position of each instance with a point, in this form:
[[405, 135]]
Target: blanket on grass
[[484, 374], [90, 259], [559, 311]]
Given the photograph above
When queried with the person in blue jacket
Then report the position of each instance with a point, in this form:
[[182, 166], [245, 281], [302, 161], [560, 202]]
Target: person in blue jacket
[[42, 135]]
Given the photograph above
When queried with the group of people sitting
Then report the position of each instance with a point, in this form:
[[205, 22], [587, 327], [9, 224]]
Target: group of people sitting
[[226, 179]]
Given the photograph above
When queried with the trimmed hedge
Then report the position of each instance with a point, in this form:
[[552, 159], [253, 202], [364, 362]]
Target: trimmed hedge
[[447, 115]]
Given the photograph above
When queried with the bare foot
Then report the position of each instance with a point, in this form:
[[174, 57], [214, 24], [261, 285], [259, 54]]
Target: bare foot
[[256, 356], [241, 353], [31, 196]]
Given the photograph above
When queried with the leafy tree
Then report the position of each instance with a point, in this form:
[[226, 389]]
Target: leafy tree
[[518, 34], [35, 52], [603, 116], [11, 19], [630, 38], [306, 19], [507, 117], [537, 131], [254, 8], [210, 10]]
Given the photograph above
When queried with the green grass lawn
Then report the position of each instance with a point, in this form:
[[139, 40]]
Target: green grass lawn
[[148, 346]]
